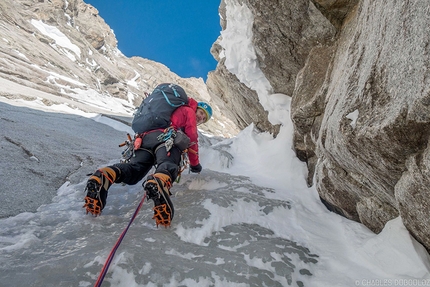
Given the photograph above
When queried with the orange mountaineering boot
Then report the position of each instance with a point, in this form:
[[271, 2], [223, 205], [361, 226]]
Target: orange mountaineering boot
[[97, 189], [157, 188]]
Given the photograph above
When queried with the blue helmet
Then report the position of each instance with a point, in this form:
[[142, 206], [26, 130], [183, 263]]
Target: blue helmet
[[206, 108]]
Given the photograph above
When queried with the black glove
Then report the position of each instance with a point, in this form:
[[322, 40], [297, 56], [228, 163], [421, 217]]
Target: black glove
[[196, 168]]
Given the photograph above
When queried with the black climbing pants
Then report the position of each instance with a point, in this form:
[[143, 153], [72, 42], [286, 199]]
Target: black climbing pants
[[151, 153]]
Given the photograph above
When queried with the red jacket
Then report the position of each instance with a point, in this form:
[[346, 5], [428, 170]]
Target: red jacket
[[184, 118]]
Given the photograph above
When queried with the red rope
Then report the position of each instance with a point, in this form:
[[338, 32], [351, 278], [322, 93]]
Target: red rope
[[118, 242]]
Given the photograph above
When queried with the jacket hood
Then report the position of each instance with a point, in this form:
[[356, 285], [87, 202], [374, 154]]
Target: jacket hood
[[192, 103]]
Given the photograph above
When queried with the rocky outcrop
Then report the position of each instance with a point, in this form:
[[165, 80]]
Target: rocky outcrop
[[358, 74], [335, 10], [238, 101], [283, 32], [307, 105], [375, 128]]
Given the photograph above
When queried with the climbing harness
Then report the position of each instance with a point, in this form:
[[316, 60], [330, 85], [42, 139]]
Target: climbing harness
[[168, 138], [131, 145], [114, 249]]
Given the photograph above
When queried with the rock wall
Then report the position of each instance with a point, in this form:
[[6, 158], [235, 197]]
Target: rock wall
[[358, 74], [375, 128], [284, 32]]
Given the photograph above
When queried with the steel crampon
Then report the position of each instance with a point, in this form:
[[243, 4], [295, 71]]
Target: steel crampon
[[162, 215], [91, 206]]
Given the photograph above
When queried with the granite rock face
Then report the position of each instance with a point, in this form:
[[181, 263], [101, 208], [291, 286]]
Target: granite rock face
[[358, 75], [240, 103], [283, 32], [373, 138]]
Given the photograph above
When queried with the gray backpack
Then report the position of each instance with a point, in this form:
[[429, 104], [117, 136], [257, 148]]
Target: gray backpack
[[156, 109]]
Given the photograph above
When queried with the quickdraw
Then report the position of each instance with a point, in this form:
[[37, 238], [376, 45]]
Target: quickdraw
[[168, 137], [167, 134], [128, 153], [183, 165]]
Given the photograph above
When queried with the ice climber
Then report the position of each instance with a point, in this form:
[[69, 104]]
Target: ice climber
[[161, 147]]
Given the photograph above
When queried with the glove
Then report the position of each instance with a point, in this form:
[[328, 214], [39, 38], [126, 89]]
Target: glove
[[196, 168]]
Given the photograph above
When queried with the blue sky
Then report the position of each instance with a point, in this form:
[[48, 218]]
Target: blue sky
[[178, 34]]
